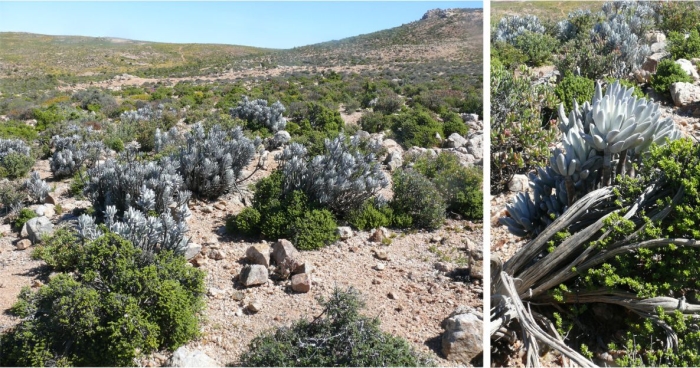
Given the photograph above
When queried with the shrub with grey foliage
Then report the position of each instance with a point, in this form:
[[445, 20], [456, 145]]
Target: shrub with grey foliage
[[150, 233], [510, 27], [37, 188], [73, 152], [342, 179], [259, 115], [168, 139], [144, 185], [210, 163], [15, 158]]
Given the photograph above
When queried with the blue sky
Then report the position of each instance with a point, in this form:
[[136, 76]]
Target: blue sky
[[284, 24]]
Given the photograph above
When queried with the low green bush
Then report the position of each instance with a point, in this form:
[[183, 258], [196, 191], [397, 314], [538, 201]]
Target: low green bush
[[15, 165], [369, 216], [667, 73], [538, 48], [417, 197], [108, 305], [459, 186], [374, 122], [678, 16], [453, 123], [416, 128], [574, 87], [291, 216], [17, 129], [681, 47], [24, 215], [508, 55], [338, 337]]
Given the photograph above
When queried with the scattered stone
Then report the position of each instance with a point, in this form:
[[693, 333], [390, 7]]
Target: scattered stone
[[305, 267], [658, 47], [474, 146], [199, 261], [684, 94], [301, 283], [287, 258], [206, 209], [354, 249], [254, 306], [455, 141], [519, 183], [442, 267], [377, 236], [652, 62], [220, 206], [50, 199], [192, 250], [215, 293], [212, 242], [253, 275], [238, 313], [394, 160], [184, 357], [381, 254], [376, 282], [238, 295], [217, 254], [393, 295], [259, 254], [23, 244], [345, 232], [380, 267], [37, 228], [462, 341], [37, 284], [476, 271], [436, 239]]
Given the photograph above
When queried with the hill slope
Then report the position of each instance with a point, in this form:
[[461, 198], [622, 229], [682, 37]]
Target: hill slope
[[30, 54]]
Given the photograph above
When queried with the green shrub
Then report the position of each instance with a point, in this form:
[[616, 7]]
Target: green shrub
[[15, 165], [25, 214], [416, 128], [667, 73], [519, 141], [109, 305], [538, 48], [292, 216], [584, 57], [678, 16], [246, 222], [339, 337], [508, 55], [374, 122], [417, 197], [114, 143], [12, 194], [388, 103], [314, 229], [46, 117], [370, 217], [684, 48], [17, 129], [453, 123], [77, 184], [574, 87], [459, 186]]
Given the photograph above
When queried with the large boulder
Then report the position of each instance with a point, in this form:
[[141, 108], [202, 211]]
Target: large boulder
[[287, 257], [684, 94], [253, 275], [38, 227], [394, 161], [461, 341], [519, 183], [688, 68], [301, 283], [184, 357], [475, 146], [192, 250]]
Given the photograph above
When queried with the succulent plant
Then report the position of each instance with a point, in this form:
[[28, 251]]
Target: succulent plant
[[600, 140]]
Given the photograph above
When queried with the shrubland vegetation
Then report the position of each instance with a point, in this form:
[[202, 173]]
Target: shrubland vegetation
[[606, 276], [120, 288]]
